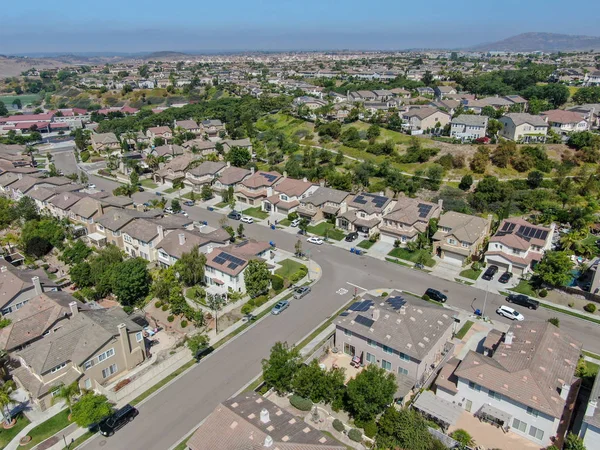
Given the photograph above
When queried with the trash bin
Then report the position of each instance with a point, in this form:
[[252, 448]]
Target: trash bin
[[272, 226], [358, 252], [210, 208], [272, 244], [352, 250]]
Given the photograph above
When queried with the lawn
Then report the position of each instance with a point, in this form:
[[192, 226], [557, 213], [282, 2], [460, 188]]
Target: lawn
[[255, 212], [394, 136], [471, 274], [414, 257], [170, 190], [464, 329], [524, 287], [148, 183], [285, 222], [8, 435], [288, 268], [27, 99], [48, 428], [569, 312], [397, 261], [221, 205], [366, 244], [333, 233], [288, 125]]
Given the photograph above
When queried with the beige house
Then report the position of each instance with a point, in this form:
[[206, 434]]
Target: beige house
[[287, 195], [203, 174], [460, 236], [91, 348], [323, 204], [159, 132], [230, 177], [212, 128], [18, 287], [254, 189], [426, 118], [523, 127], [365, 213], [408, 218], [104, 142]]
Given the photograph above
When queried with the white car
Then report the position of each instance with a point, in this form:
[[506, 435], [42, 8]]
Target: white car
[[247, 219], [315, 240], [91, 186], [295, 222], [169, 211], [183, 213], [510, 313]]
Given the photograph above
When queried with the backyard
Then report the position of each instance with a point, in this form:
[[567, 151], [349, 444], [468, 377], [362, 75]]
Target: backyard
[[326, 227], [423, 256]]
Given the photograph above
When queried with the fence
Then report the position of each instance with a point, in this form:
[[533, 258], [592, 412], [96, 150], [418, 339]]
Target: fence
[[587, 295], [322, 349], [449, 351]]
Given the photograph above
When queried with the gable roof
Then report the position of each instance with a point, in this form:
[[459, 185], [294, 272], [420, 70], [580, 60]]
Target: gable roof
[[563, 117], [325, 194], [411, 210], [207, 168], [262, 179], [464, 227], [471, 120], [518, 233], [522, 118], [293, 187]]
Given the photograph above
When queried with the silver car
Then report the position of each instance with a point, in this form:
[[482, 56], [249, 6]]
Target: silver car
[[280, 306], [301, 291]]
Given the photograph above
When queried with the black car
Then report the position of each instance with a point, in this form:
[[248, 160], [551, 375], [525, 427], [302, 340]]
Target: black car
[[116, 420], [350, 237], [523, 300], [436, 295], [203, 352], [490, 272], [505, 277], [234, 215]]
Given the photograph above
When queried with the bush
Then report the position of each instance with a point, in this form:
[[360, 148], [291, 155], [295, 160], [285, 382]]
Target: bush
[[355, 435], [164, 307], [370, 429], [397, 243], [590, 307], [184, 323], [475, 266], [554, 321], [158, 304], [247, 308], [374, 237], [85, 155], [338, 425], [259, 301], [301, 403], [171, 318], [425, 297], [301, 273], [543, 293], [276, 283], [384, 294], [128, 309]]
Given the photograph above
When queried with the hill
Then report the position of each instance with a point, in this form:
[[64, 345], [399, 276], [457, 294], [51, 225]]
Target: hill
[[545, 42], [164, 55]]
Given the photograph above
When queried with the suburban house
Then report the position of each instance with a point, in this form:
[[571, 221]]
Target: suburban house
[[167, 151], [287, 195], [442, 91], [189, 126], [257, 187], [17, 287], [60, 204], [590, 112], [228, 144], [204, 173], [459, 236], [230, 177], [159, 132], [447, 105], [103, 142], [174, 169], [212, 128], [564, 122], [91, 348], [400, 333], [518, 245], [592, 79], [25, 183], [526, 383], [200, 147], [468, 127], [426, 118], [173, 245], [365, 212], [590, 428], [141, 236], [408, 218], [523, 127], [250, 421], [109, 226], [323, 204]]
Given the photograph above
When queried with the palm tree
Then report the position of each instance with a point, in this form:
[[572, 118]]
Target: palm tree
[[6, 391], [68, 394]]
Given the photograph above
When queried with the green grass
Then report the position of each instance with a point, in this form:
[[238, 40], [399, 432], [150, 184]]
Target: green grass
[[414, 257], [366, 244], [396, 261], [288, 268], [26, 99], [221, 205], [285, 222], [524, 287], [338, 442], [48, 428], [590, 354], [472, 274], [570, 313], [170, 190], [464, 329], [8, 435], [256, 212], [321, 228], [80, 440], [468, 283], [148, 183]]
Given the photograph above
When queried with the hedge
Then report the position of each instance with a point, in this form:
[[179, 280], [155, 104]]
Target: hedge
[[259, 301], [590, 307], [300, 273], [338, 425], [276, 283], [301, 403], [370, 429], [355, 435], [247, 308]]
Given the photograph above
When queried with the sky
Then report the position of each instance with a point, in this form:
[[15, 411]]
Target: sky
[[244, 25]]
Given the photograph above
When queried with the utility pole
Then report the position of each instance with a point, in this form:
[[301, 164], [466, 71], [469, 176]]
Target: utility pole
[[487, 289]]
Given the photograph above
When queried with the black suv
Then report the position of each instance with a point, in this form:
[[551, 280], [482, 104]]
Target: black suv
[[234, 215], [523, 300], [351, 236], [116, 420], [436, 295], [490, 272]]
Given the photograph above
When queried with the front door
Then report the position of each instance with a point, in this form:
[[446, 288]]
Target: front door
[[349, 349], [468, 405]]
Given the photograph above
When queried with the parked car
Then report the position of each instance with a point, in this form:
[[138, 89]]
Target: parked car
[[351, 237], [280, 307], [295, 222], [203, 352], [160, 194], [510, 313], [490, 272], [436, 295], [301, 232], [169, 211], [315, 240], [247, 219], [523, 300], [183, 213], [91, 186], [234, 215], [505, 277], [301, 291], [189, 203], [117, 420], [140, 189]]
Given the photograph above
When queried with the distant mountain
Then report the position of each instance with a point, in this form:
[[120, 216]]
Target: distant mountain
[[164, 55], [544, 42]]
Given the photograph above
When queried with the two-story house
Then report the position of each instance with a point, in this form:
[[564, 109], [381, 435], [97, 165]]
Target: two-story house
[[518, 245], [526, 385], [230, 177], [189, 126], [173, 245], [460, 236], [17, 287], [323, 204], [442, 91], [426, 118], [159, 132], [365, 212], [167, 151], [111, 223], [401, 333], [468, 127], [523, 127], [257, 187], [102, 142], [564, 122], [287, 195], [407, 219], [228, 144], [91, 348], [173, 170], [590, 426], [204, 173], [212, 128]]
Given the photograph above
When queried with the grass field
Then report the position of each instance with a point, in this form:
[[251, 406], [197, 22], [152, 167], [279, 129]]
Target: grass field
[[333, 233], [149, 184], [288, 125], [288, 268], [394, 136], [48, 428], [524, 287], [366, 244], [414, 257], [255, 212], [27, 99]]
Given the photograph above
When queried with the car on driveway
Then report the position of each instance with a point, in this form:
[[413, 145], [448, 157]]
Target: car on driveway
[[169, 211], [280, 307], [490, 272], [234, 215], [117, 420], [351, 237], [295, 222], [510, 313], [301, 291], [436, 295], [91, 186], [247, 219], [523, 300], [315, 240], [189, 203], [505, 277]]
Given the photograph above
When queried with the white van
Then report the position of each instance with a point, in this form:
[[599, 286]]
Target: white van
[[510, 313]]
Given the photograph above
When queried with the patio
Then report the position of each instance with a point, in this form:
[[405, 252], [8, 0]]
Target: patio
[[342, 361]]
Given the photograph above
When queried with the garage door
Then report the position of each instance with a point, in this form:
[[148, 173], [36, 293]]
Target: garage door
[[454, 258], [387, 238]]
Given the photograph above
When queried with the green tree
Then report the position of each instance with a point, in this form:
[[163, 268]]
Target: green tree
[[175, 205], [257, 278], [26, 209], [404, 428], [3, 109], [17, 103], [6, 391], [466, 182], [8, 214], [463, 437], [68, 394], [131, 282], [81, 275], [573, 442], [44, 233], [197, 342], [535, 178], [207, 192], [310, 381], [280, 368], [53, 171], [480, 160], [215, 302], [298, 247], [240, 230], [134, 178], [370, 392], [239, 156], [191, 266], [75, 253], [555, 268], [339, 158], [373, 132], [90, 409]]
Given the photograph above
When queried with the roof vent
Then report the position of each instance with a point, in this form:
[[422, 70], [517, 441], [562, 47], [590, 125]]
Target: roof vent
[[264, 416], [268, 441]]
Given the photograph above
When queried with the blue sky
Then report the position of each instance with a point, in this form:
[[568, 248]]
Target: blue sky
[[201, 25]]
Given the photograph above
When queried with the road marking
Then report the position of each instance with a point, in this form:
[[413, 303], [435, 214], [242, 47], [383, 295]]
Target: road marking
[[342, 291], [356, 286]]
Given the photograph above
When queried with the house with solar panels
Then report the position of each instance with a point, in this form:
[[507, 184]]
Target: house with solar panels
[[365, 213], [518, 245], [401, 333], [257, 187], [408, 218]]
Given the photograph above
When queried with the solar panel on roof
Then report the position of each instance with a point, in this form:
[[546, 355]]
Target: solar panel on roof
[[219, 260], [508, 226], [353, 306], [361, 306], [232, 266], [396, 302], [365, 321], [360, 199]]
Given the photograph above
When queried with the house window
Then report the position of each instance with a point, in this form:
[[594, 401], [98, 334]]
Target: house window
[[474, 386], [110, 370], [371, 342], [386, 364], [451, 241], [536, 433], [139, 336], [87, 383], [404, 357], [107, 354], [57, 368], [88, 364], [116, 233], [533, 412], [494, 395], [465, 244], [519, 425], [348, 332], [388, 349], [371, 358], [284, 198], [402, 371], [126, 238]]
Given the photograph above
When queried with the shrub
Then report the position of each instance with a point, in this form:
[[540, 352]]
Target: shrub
[[164, 307], [425, 297], [374, 237], [590, 307], [301, 273], [554, 321], [397, 243], [158, 304], [384, 294], [276, 283], [571, 304], [355, 435], [475, 266], [171, 318], [259, 301], [301, 403], [128, 309], [370, 429], [247, 308], [543, 293], [184, 323], [85, 155], [338, 425]]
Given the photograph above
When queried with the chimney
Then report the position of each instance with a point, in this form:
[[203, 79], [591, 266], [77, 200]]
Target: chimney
[[268, 441], [264, 416], [161, 232], [564, 391], [74, 308], [228, 164], [322, 183], [376, 314], [181, 239], [20, 176], [441, 203], [508, 338], [284, 174], [591, 408], [37, 286], [125, 344], [252, 170], [66, 197]]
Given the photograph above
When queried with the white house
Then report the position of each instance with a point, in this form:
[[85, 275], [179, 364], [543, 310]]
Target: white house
[[565, 122], [468, 127]]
